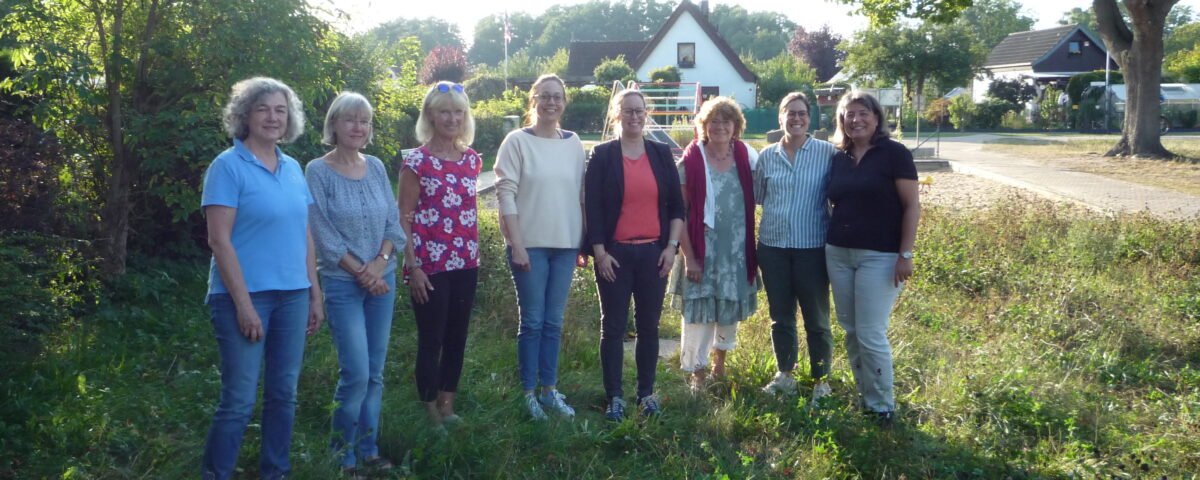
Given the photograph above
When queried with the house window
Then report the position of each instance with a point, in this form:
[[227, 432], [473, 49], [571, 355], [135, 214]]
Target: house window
[[1073, 48], [687, 55]]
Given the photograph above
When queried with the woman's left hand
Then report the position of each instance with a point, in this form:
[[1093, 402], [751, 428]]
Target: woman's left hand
[[316, 314], [904, 269], [665, 260]]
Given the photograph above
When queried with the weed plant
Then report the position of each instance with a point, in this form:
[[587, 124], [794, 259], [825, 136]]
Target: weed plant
[[1033, 342]]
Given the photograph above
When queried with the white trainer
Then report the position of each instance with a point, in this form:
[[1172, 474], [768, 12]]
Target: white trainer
[[782, 383], [821, 390]]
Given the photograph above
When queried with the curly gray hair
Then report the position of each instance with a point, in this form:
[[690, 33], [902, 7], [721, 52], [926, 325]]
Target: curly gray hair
[[251, 90]]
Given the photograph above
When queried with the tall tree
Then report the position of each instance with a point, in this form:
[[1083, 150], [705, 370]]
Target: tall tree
[[992, 20], [914, 56], [488, 45], [1137, 47], [760, 35], [1084, 17], [133, 89], [819, 49], [431, 32], [885, 12]]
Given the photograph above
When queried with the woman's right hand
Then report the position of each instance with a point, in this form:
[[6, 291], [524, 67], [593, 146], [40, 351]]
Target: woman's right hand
[[692, 269], [520, 258], [249, 324], [605, 265], [419, 285]]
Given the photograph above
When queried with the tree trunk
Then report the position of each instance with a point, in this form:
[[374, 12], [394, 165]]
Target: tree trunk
[[1139, 53], [114, 215]]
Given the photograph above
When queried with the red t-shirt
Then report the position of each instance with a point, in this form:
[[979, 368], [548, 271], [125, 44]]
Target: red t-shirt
[[638, 222], [446, 229]]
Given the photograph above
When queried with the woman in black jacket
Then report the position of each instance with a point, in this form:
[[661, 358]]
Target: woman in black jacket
[[634, 216]]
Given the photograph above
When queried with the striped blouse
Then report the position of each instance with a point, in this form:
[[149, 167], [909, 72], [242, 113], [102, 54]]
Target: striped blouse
[[793, 195]]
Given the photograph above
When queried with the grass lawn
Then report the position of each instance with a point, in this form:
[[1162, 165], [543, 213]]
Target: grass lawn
[[1034, 342], [1087, 155]]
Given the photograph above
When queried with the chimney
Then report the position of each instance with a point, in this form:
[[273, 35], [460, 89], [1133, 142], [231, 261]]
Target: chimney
[[704, 9]]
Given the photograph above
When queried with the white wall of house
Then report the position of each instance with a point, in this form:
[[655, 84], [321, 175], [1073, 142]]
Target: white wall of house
[[712, 68]]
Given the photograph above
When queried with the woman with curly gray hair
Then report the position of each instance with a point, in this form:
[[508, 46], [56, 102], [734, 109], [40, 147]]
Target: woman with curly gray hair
[[263, 294]]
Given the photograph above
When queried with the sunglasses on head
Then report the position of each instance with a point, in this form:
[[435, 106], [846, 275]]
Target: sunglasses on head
[[445, 87]]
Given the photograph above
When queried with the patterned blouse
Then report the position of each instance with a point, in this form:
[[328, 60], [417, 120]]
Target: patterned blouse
[[445, 231]]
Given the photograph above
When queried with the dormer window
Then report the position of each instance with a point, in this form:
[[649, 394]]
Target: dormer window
[[686, 55]]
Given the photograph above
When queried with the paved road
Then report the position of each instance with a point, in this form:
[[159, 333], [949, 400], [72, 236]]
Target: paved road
[[1101, 193]]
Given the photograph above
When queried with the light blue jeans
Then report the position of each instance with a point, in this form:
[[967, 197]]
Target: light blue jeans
[[360, 323], [542, 297], [864, 290], [284, 316]]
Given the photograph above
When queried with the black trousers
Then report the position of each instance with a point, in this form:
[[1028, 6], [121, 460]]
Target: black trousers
[[636, 279], [442, 331]]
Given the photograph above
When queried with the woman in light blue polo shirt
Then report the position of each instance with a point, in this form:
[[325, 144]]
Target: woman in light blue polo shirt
[[263, 293]]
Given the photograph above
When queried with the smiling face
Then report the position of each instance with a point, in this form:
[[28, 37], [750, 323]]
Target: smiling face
[[719, 129], [859, 123], [795, 118], [633, 116], [353, 130], [447, 119], [549, 99], [268, 118]]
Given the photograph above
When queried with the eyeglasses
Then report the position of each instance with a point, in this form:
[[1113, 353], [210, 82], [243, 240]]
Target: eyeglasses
[[445, 87], [798, 113], [633, 113], [545, 97]]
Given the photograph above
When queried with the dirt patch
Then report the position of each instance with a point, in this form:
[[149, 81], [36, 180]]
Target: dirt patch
[[963, 192]]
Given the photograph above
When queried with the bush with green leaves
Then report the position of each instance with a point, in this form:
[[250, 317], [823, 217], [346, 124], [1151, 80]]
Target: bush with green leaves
[[667, 74], [484, 87], [489, 119], [990, 112], [613, 69], [587, 109], [961, 111]]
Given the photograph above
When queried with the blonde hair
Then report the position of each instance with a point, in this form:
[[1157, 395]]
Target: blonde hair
[[250, 91], [531, 112], [346, 103], [840, 138], [614, 107], [723, 107], [434, 98]]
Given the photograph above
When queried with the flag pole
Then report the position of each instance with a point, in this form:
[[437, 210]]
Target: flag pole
[[507, 36]]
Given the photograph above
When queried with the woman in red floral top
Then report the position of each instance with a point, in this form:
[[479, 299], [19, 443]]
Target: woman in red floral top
[[437, 207]]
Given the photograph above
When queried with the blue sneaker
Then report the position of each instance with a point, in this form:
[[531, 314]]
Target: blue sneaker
[[535, 408], [649, 406], [616, 410], [557, 402]]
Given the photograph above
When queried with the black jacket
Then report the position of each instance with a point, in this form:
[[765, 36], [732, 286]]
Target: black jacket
[[604, 191]]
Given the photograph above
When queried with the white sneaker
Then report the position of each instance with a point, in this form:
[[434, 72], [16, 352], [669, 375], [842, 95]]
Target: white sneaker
[[557, 402], [782, 383], [821, 390], [535, 408]]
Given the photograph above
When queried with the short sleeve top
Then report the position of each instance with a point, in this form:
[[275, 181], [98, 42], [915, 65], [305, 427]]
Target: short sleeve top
[[867, 212], [445, 231], [270, 232]]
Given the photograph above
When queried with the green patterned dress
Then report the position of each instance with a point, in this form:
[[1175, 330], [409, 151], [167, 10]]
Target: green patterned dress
[[723, 295]]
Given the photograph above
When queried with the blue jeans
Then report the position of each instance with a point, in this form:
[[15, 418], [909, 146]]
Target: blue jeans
[[864, 291], [542, 297], [360, 323], [284, 316]]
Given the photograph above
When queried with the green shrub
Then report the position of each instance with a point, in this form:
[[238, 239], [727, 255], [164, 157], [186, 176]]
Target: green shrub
[[990, 112], [613, 69], [586, 111], [667, 74], [484, 87], [961, 111]]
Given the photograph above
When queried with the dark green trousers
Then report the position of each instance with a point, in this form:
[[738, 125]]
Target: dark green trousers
[[797, 276]]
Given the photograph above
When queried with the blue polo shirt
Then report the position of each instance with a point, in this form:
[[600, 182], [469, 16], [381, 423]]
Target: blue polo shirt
[[270, 231]]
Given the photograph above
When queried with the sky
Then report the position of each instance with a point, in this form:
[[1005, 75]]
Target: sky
[[811, 14]]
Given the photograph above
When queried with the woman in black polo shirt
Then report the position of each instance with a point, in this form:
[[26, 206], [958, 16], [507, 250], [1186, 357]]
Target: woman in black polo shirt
[[873, 188]]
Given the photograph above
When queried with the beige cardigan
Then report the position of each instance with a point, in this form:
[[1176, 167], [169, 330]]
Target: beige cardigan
[[541, 181]]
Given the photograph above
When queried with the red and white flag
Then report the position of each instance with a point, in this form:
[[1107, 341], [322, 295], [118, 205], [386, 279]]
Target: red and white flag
[[507, 30]]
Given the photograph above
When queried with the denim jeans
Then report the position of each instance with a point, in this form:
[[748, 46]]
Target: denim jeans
[[864, 291], [284, 316], [360, 323], [791, 277], [542, 297], [636, 278], [442, 324]]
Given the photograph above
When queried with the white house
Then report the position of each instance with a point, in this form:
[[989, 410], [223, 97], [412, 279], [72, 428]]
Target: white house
[[688, 41]]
